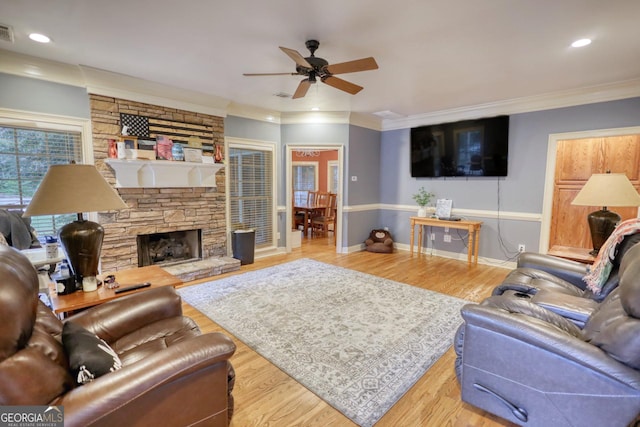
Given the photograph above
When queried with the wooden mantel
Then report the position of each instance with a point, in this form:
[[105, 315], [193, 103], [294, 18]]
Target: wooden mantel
[[163, 173]]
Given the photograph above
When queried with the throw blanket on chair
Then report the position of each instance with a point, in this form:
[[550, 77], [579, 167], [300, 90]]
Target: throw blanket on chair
[[603, 264]]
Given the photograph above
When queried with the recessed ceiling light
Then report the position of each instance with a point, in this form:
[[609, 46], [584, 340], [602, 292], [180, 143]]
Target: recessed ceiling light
[[581, 43], [315, 109], [270, 118], [40, 38]]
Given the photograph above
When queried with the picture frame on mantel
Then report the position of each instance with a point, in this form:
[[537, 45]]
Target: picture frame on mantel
[[147, 149], [130, 147]]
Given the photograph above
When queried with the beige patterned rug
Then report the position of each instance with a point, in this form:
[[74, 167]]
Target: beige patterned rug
[[357, 341]]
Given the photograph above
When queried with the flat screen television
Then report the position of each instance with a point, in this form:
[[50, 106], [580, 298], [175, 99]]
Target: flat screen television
[[466, 148]]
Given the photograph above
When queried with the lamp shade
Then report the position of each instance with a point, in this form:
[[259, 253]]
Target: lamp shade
[[72, 188], [607, 189]]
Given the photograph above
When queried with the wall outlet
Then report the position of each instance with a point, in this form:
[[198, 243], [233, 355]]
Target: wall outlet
[[447, 238], [521, 247], [386, 228], [432, 236]]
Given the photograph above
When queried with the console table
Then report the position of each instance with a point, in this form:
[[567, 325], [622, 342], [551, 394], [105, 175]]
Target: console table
[[473, 227]]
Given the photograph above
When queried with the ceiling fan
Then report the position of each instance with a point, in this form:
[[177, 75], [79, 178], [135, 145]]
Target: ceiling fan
[[314, 67]]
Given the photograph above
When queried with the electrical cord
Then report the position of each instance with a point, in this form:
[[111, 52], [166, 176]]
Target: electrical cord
[[509, 255]]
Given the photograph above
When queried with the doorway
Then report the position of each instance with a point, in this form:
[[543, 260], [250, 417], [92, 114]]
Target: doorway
[[317, 168]]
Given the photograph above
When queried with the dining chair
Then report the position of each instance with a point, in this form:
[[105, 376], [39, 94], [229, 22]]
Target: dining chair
[[327, 216], [298, 197]]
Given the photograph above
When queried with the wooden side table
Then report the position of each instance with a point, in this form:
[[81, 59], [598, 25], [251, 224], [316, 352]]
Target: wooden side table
[[153, 274], [473, 227], [575, 254]]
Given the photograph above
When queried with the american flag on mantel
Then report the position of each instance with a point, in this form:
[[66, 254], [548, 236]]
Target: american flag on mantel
[[149, 127]]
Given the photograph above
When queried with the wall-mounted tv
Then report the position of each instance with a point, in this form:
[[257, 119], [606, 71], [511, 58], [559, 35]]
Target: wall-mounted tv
[[466, 148]]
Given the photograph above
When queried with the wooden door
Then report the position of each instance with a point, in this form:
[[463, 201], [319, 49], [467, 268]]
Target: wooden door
[[576, 161]]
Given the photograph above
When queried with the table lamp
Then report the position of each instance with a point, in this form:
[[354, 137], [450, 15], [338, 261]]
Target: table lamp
[[73, 188], [605, 189]]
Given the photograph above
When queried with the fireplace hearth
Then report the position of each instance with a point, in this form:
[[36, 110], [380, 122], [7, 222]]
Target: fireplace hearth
[[169, 248]]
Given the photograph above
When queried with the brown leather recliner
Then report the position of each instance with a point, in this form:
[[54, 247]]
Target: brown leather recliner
[[171, 374]]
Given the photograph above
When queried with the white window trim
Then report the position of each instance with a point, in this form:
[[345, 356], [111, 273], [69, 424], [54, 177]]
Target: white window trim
[[17, 118], [50, 121], [256, 145]]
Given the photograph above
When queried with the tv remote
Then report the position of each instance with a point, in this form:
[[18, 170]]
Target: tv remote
[[133, 287], [451, 218]]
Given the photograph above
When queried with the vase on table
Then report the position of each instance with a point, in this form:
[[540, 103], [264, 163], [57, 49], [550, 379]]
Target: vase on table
[[422, 211]]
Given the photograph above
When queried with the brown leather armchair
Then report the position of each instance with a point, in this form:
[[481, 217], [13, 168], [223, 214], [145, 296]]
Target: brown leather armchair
[[171, 374]]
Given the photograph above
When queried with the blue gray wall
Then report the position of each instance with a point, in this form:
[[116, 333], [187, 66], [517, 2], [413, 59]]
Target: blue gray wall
[[25, 94], [520, 192]]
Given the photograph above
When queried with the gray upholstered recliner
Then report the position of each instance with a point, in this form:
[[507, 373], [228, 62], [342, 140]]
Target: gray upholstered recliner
[[534, 367], [537, 272]]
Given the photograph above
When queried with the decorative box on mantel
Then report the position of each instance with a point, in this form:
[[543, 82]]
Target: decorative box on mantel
[[163, 173]]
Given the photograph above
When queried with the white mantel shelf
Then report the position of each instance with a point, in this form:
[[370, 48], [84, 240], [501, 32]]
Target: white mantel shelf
[[163, 173]]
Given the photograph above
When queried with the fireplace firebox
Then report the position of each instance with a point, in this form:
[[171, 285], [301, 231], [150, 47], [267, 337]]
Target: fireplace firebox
[[169, 248]]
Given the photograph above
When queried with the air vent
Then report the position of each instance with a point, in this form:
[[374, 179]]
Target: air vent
[[387, 114], [6, 33], [282, 95]]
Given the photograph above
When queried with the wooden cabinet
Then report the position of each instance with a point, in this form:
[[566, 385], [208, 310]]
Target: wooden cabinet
[[576, 161]]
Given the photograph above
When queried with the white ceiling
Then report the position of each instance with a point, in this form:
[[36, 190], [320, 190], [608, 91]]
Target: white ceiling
[[434, 55]]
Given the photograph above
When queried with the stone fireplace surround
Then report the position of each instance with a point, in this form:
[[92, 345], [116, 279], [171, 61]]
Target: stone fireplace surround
[[155, 210]]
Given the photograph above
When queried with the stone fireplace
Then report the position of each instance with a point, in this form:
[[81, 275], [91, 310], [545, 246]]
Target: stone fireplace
[[170, 248], [163, 209]]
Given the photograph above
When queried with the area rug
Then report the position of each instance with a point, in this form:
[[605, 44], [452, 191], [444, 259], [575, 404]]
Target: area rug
[[357, 341]]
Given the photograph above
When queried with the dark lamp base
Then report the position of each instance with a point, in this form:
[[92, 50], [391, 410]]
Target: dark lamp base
[[601, 224], [82, 243]]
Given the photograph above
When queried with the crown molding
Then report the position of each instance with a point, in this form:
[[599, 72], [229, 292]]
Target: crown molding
[[368, 121], [333, 117], [253, 112], [39, 68], [549, 101], [107, 83]]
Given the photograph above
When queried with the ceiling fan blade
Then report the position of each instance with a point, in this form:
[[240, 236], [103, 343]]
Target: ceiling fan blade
[[295, 55], [342, 84], [269, 74], [364, 64], [302, 89]]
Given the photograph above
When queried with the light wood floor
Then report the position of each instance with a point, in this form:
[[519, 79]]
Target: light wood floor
[[266, 396]]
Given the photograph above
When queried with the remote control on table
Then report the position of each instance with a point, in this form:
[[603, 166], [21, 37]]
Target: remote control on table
[[133, 287]]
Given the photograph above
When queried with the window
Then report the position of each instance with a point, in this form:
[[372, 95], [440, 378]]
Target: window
[[305, 179], [251, 190], [332, 176], [25, 155]]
